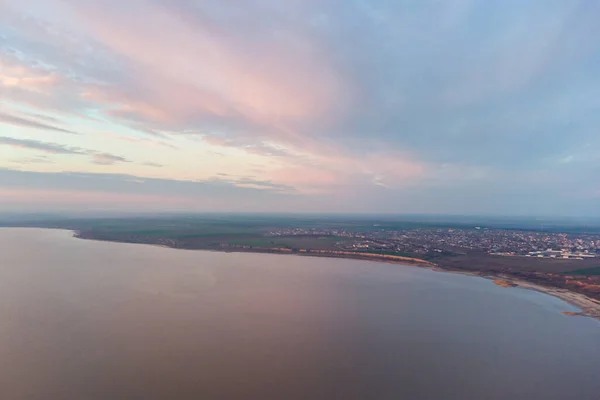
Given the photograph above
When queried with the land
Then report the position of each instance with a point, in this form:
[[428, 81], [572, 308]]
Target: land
[[561, 258], [504, 283]]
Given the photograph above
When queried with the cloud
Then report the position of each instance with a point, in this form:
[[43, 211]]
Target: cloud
[[21, 190], [249, 146], [71, 200], [16, 75], [529, 195], [335, 98], [153, 164], [246, 79], [28, 123], [33, 160], [107, 159], [146, 142], [255, 183], [47, 118], [124, 183], [54, 148], [51, 148], [244, 89]]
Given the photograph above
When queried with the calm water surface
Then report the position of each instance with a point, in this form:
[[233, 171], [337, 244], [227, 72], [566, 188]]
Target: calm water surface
[[92, 320]]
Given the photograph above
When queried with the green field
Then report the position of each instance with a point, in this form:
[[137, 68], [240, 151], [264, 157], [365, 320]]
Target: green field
[[586, 271], [290, 242]]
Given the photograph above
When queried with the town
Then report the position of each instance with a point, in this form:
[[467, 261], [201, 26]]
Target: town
[[492, 241]]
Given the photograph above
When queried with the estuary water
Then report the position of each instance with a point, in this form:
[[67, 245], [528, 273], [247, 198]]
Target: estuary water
[[95, 320]]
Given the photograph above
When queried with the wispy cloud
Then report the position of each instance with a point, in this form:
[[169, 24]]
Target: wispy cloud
[[256, 183], [329, 100], [22, 190], [107, 159], [55, 148], [153, 164], [45, 147], [29, 123], [33, 160]]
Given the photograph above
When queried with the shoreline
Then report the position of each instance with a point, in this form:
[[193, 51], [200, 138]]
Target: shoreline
[[589, 307]]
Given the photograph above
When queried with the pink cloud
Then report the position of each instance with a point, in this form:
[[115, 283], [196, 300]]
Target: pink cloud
[[190, 75], [338, 171], [14, 74], [309, 179], [191, 69]]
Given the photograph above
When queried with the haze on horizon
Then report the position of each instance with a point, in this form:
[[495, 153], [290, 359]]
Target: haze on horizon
[[370, 106]]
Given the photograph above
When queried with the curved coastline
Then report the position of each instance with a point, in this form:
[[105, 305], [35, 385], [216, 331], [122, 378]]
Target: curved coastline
[[588, 307]]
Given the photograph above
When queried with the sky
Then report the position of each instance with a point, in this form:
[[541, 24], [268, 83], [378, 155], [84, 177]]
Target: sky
[[366, 106]]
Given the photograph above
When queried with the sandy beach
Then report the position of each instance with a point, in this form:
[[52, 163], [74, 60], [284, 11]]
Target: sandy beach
[[588, 306]]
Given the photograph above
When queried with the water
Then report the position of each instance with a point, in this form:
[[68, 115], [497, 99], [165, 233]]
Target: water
[[92, 320]]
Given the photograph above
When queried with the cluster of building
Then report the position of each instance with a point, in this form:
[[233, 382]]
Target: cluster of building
[[563, 253], [311, 232], [492, 241]]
